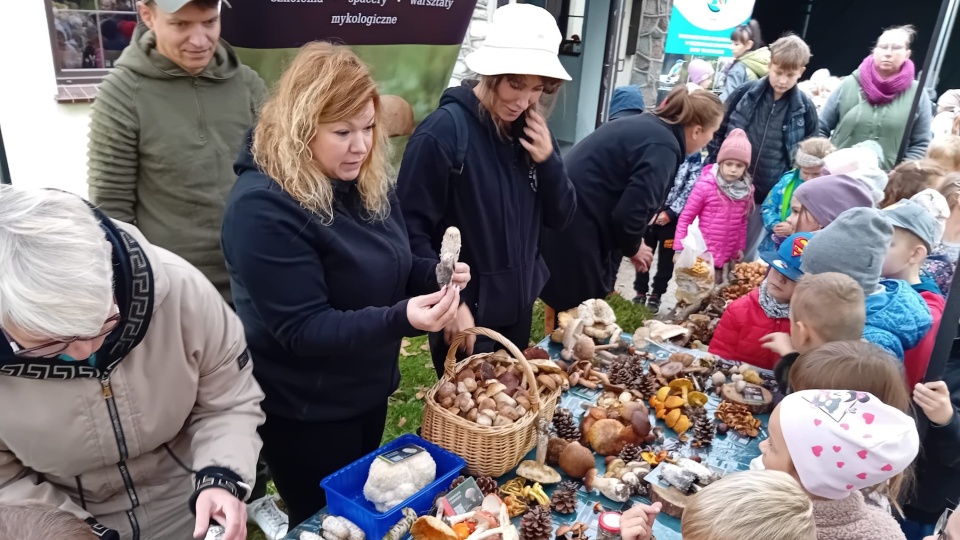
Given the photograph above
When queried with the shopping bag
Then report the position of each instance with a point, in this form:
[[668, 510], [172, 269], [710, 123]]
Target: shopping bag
[[694, 271]]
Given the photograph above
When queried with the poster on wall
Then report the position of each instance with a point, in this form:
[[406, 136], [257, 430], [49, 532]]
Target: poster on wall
[[700, 31], [411, 46], [703, 27]]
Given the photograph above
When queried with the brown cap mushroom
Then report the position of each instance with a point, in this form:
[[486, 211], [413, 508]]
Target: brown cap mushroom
[[575, 460]]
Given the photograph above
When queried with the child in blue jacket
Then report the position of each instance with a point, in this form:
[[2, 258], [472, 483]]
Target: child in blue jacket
[[776, 207]]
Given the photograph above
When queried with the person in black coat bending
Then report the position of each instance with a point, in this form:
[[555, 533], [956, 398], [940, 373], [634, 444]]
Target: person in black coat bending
[[622, 173], [504, 184], [322, 273]]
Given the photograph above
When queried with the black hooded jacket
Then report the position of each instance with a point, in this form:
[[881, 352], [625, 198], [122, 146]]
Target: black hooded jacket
[[500, 203], [323, 305]]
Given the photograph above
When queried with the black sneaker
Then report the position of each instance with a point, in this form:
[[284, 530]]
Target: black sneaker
[[653, 302], [640, 299]]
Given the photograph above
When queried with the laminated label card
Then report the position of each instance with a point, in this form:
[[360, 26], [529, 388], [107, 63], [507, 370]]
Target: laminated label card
[[462, 498], [401, 454]]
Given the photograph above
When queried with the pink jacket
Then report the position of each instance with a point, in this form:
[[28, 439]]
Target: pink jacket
[[723, 221]]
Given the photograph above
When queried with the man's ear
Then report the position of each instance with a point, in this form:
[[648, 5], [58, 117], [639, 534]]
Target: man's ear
[[147, 14]]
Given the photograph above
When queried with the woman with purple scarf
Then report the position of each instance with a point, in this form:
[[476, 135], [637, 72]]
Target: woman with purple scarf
[[874, 103]]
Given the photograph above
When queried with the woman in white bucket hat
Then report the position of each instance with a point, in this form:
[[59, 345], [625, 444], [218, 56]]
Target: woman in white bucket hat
[[485, 162]]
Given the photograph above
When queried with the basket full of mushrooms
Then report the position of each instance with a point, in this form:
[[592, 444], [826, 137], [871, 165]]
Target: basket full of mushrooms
[[485, 408]]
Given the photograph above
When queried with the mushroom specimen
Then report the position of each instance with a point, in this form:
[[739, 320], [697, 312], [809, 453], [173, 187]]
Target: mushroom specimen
[[538, 470], [575, 460], [449, 255], [611, 488]]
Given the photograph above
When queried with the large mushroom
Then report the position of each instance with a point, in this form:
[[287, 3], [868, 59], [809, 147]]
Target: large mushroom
[[538, 470]]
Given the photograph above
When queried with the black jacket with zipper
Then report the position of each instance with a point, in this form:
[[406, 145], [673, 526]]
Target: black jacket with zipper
[[937, 485], [323, 305], [500, 202], [750, 108], [622, 172]]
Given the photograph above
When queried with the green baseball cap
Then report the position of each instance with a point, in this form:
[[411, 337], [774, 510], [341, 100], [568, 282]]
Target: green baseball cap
[[173, 6]]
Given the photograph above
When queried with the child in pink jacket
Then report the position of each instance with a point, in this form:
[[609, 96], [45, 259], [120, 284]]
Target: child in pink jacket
[[723, 200]]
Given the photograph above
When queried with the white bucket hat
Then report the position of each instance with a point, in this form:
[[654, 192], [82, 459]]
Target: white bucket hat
[[523, 39]]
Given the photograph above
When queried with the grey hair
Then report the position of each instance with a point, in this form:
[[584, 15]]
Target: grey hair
[[37, 521], [56, 273]]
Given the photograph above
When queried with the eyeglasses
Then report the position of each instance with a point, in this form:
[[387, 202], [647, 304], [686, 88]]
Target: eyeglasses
[[940, 530], [892, 47], [54, 348]]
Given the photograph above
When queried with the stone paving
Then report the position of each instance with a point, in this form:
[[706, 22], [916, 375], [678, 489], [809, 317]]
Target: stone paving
[[625, 279]]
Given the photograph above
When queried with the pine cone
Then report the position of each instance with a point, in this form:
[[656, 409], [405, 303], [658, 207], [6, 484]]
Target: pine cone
[[627, 371], [564, 501], [457, 481], [488, 485], [537, 524], [649, 386], [630, 452], [566, 428], [570, 485], [703, 430]]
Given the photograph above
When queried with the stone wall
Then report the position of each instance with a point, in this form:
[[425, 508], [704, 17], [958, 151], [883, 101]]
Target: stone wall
[[474, 37], [651, 40]]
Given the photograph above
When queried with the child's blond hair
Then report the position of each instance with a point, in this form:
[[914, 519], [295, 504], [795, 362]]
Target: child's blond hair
[[790, 52], [830, 304], [910, 178], [945, 150], [814, 147], [35, 521], [950, 189], [750, 504]]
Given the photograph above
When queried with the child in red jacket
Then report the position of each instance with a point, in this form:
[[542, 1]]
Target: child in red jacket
[[914, 235], [765, 310]]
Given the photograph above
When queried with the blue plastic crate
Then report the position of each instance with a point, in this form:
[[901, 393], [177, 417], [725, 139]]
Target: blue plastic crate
[[345, 488]]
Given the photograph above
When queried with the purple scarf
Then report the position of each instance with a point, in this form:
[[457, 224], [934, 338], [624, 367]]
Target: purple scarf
[[880, 91]]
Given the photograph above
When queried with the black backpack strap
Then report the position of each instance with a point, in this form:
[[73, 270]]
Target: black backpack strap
[[463, 137]]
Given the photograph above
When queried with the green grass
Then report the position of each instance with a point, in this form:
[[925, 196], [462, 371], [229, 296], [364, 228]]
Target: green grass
[[405, 406]]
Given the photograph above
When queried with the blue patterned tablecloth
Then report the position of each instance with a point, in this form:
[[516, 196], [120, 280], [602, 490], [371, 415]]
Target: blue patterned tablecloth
[[728, 453]]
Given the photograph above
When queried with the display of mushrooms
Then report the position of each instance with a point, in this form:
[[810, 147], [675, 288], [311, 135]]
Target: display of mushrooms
[[608, 430], [492, 391], [599, 320]]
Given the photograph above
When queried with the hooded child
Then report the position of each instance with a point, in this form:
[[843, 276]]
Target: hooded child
[[809, 164], [856, 244], [766, 310], [914, 235], [723, 200], [837, 443]]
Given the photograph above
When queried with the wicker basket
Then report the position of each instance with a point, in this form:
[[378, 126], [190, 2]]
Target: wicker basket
[[489, 451]]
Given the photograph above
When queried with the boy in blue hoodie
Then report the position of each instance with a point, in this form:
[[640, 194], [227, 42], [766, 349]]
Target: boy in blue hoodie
[[856, 244]]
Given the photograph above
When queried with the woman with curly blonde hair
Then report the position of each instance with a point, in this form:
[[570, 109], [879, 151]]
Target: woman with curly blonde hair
[[322, 272]]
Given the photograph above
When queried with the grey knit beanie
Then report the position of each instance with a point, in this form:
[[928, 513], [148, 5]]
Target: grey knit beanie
[[855, 244], [829, 196]]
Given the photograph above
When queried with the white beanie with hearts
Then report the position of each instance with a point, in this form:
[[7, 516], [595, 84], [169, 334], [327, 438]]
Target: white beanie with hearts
[[843, 441]]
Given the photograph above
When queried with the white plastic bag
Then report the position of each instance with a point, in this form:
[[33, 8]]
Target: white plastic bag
[[694, 270]]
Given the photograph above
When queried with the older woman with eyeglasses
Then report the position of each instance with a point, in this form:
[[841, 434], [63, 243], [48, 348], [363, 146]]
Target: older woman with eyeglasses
[[874, 103], [125, 381]]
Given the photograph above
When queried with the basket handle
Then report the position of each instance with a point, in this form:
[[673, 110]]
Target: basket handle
[[450, 364]]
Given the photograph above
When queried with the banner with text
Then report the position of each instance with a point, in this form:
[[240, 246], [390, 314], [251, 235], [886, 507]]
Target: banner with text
[[411, 46], [703, 27]]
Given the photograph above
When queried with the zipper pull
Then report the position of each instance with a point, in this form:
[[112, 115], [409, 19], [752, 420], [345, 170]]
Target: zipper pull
[[107, 389]]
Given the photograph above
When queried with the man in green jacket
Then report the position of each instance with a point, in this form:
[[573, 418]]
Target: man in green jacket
[[166, 128]]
